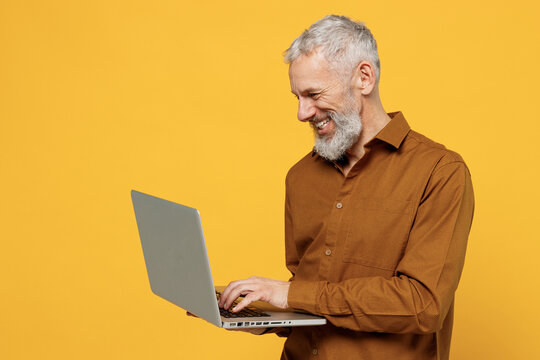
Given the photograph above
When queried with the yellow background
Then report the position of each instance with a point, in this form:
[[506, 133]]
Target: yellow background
[[190, 101]]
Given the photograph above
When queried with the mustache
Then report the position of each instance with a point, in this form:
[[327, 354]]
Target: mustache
[[328, 115]]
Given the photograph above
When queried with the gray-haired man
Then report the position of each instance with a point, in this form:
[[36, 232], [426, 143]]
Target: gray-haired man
[[376, 216]]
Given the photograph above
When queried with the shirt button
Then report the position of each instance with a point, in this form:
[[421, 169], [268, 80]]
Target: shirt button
[[315, 351], [339, 205], [328, 252]]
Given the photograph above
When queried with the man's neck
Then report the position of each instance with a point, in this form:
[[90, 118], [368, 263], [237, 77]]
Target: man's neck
[[374, 119]]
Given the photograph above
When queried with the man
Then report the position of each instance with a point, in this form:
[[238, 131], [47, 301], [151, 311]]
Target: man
[[376, 217]]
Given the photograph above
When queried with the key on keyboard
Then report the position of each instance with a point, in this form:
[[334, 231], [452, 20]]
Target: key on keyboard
[[248, 311]]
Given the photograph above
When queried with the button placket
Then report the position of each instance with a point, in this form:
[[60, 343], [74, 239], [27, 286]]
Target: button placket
[[333, 229], [331, 232]]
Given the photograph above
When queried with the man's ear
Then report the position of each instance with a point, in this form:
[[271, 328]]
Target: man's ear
[[364, 78]]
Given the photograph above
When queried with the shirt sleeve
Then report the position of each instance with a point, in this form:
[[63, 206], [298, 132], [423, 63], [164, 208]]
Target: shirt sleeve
[[419, 295]]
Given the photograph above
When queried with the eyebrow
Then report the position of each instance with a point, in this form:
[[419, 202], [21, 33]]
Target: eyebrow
[[308, 91]]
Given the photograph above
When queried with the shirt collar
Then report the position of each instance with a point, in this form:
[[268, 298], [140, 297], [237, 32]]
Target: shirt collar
[[393, 133]]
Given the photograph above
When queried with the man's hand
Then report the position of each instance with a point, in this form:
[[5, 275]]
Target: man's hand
[[255, 288]]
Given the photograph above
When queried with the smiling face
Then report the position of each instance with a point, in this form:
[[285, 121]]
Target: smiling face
[[326, 103]]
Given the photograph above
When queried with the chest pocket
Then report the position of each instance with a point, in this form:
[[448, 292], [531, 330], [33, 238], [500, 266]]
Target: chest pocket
[[378, 232]]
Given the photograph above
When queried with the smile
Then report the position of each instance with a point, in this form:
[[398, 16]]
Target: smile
[[322, 124]]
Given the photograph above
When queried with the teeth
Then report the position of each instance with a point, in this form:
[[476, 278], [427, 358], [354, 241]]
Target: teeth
[[321, 124]]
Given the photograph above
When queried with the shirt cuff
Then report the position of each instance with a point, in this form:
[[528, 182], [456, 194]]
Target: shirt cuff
[[303, 295]]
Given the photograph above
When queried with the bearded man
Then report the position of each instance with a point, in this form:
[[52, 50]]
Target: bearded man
[[376, 216]]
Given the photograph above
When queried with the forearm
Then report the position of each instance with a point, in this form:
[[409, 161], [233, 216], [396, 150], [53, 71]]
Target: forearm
[[374, 304]]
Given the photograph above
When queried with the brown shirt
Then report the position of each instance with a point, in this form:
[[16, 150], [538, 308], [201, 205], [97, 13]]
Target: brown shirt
[[379, 252]]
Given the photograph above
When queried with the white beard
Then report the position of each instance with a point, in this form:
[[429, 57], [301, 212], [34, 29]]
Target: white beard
[[348, 126]]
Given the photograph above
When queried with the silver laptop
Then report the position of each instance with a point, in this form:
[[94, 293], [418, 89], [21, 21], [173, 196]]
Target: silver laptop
[[179, 271]]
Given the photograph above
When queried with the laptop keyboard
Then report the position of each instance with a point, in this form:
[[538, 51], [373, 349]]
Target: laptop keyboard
[[248, 311], [245, 312]]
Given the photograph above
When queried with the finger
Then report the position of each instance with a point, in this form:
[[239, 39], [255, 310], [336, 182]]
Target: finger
[[239, 290], [225, 294], [254, 296], [231, 293]]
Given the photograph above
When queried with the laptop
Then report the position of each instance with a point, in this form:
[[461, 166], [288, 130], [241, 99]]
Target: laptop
[[179, 270]]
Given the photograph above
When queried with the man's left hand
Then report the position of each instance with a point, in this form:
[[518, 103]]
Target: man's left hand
[[255, 288]]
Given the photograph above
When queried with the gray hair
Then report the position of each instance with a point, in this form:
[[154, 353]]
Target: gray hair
[[344, 43]]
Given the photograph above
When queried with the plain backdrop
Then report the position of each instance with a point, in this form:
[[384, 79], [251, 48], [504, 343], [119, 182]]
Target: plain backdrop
[[190, 101]]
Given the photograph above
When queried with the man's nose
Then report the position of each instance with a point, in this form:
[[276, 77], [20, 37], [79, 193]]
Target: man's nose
[[306, 109]]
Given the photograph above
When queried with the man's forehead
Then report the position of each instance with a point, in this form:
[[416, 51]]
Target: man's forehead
[[310, 72], [314, 60]]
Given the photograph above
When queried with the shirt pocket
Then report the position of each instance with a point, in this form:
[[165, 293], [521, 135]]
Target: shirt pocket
[[378, 231]]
